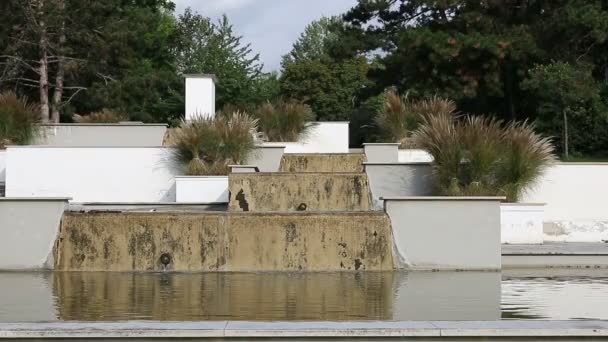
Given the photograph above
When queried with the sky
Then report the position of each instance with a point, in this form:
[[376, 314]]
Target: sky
[[271, 26]]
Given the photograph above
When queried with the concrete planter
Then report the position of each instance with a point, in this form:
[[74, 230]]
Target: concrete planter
[[446, 233], [381, 152], [522, 223], [29, 228], [201, 189], [398, 180], [322, 137]]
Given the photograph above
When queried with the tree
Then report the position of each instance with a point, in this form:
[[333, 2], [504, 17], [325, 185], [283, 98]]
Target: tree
[[214, 48], [477, 53], [329, 86], [62, 49], [568, 104]]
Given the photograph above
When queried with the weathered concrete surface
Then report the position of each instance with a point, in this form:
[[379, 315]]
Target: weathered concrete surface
[[299, 192], [337, 162], [224, 242]]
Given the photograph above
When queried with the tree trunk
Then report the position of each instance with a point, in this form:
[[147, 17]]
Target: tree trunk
[[60, 77], [566, 134], [44, 66]]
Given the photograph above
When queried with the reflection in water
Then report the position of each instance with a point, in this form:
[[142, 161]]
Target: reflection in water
[[297, 296], [216, 296]]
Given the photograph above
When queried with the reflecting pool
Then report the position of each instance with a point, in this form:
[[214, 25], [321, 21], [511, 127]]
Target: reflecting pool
[[32, 297]]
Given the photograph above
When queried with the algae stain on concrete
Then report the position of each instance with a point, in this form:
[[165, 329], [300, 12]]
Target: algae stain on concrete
[[225, 242], [335, 162], [299, 191]]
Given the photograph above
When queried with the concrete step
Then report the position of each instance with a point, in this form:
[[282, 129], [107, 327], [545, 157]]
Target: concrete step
[[334, 162], [299, 192]]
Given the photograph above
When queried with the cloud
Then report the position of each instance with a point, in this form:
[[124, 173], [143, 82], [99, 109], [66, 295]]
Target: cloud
[[271, 26]]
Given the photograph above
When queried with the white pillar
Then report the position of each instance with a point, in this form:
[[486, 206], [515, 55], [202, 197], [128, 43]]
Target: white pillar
[[200, 95]]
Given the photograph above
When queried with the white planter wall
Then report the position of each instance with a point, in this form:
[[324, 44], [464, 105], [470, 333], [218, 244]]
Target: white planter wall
[[106, 135], [91, 174], [439, 233], [201, 189], [381, 152], [575, 194], [522, 223], [323, 137], [29, 228]]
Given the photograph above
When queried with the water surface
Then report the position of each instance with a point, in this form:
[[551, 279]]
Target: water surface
[[93, 296]]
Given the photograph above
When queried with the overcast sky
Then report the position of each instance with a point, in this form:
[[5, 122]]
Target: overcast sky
[[271, 26]]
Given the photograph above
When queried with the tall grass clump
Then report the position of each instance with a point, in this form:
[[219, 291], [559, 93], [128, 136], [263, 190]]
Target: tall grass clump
[[284, 120], [482, 156], [206, 146], [18, 120], [400, 116], [526, 155], [102, 116]]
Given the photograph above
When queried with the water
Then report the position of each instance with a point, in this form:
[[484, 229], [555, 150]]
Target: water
[[33, 297]]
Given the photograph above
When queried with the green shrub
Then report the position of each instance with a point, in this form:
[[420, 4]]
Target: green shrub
[[477, 156], [18, 120], [103, 116], [284, 120], [206, 146]]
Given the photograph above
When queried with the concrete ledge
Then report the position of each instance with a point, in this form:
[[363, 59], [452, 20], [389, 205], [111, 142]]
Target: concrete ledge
[[444, 198], [433, 330], [556, 255]]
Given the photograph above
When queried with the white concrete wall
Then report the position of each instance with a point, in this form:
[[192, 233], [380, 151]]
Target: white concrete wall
[[398, 179], [577, 208], [93, 135], [201, 189], [91, 174], [522, 223], [323, 137], [104, 174], [29, 228], [200, 96], [435, 233], [2, 166]]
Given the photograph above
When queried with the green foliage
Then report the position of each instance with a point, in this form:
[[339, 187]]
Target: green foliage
[[207, 146], [214, 48], [18, 120], [484, 56], [477, 155], [562, 88], [284, 120], [313, 43]]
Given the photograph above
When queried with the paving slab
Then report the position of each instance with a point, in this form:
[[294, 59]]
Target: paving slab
[[333, 329], [289, 330], [521, 328]]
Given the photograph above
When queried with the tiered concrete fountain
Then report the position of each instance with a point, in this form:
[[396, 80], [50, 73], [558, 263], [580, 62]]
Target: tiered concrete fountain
[[313, 216]]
